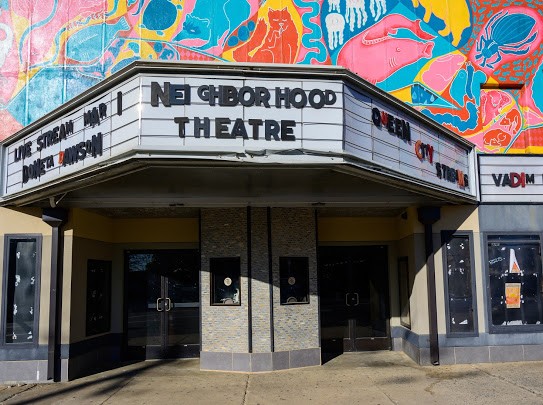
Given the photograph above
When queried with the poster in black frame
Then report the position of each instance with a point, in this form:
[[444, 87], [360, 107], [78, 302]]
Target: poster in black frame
[[98, 313]]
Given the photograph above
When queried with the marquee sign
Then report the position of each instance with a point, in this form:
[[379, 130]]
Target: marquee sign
[[510, 178], [247, 96], [253, 119]]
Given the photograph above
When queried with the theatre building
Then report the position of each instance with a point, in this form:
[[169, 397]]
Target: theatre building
[[260, 218]]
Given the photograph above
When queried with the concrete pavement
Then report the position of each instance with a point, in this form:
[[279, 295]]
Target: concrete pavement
[[353, 378]]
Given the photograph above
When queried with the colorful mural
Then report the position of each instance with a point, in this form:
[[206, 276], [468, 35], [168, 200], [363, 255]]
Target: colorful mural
[[475, 66]]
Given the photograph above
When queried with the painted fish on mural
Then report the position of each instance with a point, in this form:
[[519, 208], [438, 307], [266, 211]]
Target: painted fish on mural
[[377, 40], [87, 44]]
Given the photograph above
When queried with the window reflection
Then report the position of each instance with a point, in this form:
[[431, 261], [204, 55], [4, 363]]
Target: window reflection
[[294, 275], [225, 284]]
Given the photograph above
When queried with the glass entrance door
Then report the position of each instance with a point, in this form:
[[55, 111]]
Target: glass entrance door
[[353, 284], [162, 303]]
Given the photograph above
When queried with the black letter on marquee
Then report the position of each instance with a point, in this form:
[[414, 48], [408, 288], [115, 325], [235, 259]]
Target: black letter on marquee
[[262, 97], [255, 123], [239, 129], [287, 132], [271, 128], [317, 93], [497, 179], [181, 121], [119, 103], [282, 95], [199, 125], [331, 97], [156, 93], [376, 117], [221, 130], [102, 110], [179, 94], [228, 96], [302, 102]]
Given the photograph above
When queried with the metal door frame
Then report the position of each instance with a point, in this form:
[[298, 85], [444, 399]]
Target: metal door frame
[[163, 349], [352, 331]]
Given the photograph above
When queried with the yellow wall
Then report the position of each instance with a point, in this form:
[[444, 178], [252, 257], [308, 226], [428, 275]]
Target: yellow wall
[[357, 229], [22, 220], [85, 224]]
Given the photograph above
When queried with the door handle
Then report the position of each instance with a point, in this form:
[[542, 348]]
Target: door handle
[[168, 304], [357, 300], [347, 300], [158, 308]]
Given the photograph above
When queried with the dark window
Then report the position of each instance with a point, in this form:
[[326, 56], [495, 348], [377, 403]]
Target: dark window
[[515, 286], [405, 292], [21, 289], [460, 285], [98, 297], [225, 281], [294, 275]]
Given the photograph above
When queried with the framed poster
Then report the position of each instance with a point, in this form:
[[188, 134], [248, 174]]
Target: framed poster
[[512, 295], [98, 313]]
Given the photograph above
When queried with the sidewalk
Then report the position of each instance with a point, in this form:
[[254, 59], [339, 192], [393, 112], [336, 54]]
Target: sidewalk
[[358, 378]]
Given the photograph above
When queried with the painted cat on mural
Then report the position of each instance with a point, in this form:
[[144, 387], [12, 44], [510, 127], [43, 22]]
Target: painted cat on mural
[[276, 43], [455, 23], [210, 22]]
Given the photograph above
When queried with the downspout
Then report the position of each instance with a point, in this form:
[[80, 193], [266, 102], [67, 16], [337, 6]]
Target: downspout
[[429, 216], [55, 217]]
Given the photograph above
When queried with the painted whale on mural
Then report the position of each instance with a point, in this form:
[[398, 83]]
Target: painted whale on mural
[[87, 44], [385, 52]]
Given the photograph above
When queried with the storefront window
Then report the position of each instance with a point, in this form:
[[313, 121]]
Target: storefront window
[[225, 280], [21, 290], [459, 285], [514, 269], [294, 275]]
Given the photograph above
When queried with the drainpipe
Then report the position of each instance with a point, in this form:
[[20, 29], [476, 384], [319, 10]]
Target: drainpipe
[[55, 217], [429, 216]]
